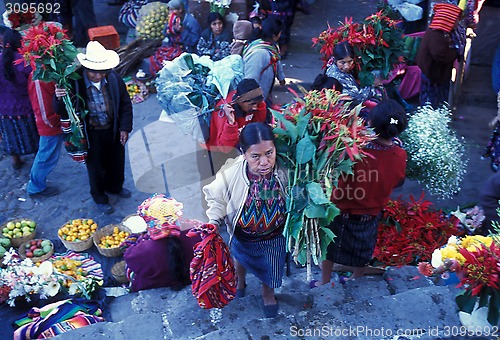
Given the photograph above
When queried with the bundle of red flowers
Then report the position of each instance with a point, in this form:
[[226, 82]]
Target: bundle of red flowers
[[409, 232], [321, 138], [377, 40], [20, 20]]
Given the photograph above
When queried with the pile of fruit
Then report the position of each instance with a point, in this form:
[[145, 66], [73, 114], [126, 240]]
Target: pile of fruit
[[18, 229], [38, 248], [151, 20], [113, 240], [4, 245], [77, 230], [133, 89], [69, 267]]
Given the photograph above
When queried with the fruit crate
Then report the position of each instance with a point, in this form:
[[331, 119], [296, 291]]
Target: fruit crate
[[106, 35]]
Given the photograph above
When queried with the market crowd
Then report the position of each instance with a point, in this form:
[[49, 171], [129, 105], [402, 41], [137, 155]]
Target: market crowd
[[247, 196]]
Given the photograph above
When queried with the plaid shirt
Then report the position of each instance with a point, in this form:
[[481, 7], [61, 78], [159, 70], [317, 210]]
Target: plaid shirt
[[99, 104]]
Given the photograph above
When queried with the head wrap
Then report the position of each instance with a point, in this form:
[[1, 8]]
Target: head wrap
[[160, 214], [445, 17]]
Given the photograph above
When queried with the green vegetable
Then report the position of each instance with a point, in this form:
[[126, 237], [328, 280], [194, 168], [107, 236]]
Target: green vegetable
[[5, 242], [47, 248], [2, 251], [46, 243], [38, 252]]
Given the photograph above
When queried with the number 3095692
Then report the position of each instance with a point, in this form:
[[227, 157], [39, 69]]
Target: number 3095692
[[33, 7]]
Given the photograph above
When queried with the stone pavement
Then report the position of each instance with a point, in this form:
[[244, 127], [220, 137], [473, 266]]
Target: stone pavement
[[400, 300]]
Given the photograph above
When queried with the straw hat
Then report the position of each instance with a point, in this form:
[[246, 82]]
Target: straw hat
[[97, 58]]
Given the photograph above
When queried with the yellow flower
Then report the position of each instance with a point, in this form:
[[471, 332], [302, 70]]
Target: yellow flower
[[451, 252], [471, 243]]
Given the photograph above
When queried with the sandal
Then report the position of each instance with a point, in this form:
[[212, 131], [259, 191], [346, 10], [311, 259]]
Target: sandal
[[312, 284], [270, 311]]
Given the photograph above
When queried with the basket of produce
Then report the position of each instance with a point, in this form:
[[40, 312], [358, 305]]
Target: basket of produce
[[19, 231], [77, 234], [135, 223], [119, 272], [108, 239], [37, 250]]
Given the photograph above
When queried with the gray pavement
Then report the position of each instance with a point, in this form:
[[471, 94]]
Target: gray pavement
[[159, 156]]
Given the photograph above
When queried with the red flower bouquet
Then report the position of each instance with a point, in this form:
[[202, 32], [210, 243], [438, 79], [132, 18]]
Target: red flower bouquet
[[409, 232], [377, 41]]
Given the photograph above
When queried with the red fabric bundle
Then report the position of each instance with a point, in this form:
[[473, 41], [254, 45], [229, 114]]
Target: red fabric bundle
[[445, 17], [212, 270]]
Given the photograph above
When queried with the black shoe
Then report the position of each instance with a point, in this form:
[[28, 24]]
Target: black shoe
[[47, 192], [125, 193], [105, 208]]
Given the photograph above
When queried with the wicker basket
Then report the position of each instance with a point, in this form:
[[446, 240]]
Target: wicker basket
[[76, 246], [119, 272], [106, 231], [22, 253], [17, 241]]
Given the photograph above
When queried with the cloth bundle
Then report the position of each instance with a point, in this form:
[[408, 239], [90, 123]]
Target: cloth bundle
[[212, 271]]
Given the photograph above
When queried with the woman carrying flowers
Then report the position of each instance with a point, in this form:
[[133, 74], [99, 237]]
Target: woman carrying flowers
[[362, 195], [342, 69]]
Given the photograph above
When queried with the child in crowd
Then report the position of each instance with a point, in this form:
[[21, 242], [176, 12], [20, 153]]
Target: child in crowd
[[362, 195]]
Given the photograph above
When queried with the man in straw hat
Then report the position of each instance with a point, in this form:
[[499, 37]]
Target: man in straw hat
[[437, 53], [104, 95]]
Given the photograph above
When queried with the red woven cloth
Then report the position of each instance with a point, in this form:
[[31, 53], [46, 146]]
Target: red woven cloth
[[212, 270]]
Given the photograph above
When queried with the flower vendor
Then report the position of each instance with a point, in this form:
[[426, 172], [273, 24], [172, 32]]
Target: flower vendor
[[341, 69], [103, 93], [165, 241], [215, 40], [437, 53], [362, 195], [241, 107], [249, 197], [181, 29], [17, 120], [262, 59]]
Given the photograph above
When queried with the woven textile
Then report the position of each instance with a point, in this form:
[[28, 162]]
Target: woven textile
[[445, 17], [212, 271]]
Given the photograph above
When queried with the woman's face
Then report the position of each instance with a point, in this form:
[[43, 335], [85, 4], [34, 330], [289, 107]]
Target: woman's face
[[217, 26], [261, 158], [345, 65]]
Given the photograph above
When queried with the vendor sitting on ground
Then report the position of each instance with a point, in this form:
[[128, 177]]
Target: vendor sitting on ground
[[161, 256]]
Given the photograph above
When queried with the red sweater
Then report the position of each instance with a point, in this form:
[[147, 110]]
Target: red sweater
[[47, 120], [223, 136], [368, 190]]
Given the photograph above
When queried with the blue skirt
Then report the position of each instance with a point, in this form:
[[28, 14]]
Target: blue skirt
[[265, 259], [19, 134]]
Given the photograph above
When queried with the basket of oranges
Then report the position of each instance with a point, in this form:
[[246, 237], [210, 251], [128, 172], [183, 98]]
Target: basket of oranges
[[77, 234], [108, 239]]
